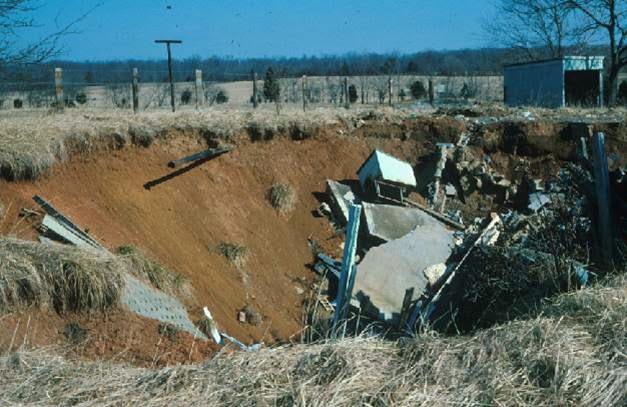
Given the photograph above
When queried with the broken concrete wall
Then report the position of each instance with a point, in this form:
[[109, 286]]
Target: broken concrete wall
[[387, 271], [390, 222], [341, 197]]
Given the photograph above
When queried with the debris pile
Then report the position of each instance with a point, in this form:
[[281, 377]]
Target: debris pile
[[418, 264]]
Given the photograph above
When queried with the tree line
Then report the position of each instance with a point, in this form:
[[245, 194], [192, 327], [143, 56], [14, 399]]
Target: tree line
[[486, 61]]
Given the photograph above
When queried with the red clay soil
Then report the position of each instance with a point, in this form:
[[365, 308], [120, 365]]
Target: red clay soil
[[117, 336], [181, 221]]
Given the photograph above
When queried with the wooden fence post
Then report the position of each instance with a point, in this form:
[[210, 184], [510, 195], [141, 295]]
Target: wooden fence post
[[254, 75], [198, 88], [431, 93], [347, 101], [390, 91], [304, 89], [135, 89], [58, 87]]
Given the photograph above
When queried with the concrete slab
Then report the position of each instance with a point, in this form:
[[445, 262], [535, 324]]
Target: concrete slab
[[341, 196], [390, 222], [387, 271]]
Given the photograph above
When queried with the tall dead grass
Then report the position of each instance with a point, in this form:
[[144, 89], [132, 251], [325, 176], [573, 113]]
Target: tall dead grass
[[571, 354], [156, 274], [31, 144], [62, 277]]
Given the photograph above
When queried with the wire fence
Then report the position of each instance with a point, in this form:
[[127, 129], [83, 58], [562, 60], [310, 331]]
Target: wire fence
[[113, 89]]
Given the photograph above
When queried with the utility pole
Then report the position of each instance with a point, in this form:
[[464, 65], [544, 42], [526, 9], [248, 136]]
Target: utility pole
[[167, 43]]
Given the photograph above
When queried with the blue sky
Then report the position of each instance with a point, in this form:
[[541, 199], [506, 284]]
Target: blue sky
[[120, 29]]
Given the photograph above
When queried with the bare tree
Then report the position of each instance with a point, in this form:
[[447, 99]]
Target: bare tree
[[607, 19], [15, 16], [535, 28]]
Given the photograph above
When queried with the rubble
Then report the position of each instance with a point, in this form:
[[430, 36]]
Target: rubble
[[388, 270], [537, 200], [412, 259], [390, 222], [341, 197], [382, 174]]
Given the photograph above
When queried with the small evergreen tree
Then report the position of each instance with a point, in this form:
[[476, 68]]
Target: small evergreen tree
[[352, 93], [271, 87], [186, 97], [418, 90], [221, 97]]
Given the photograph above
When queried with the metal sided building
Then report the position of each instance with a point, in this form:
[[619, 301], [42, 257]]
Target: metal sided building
[[567, 81]]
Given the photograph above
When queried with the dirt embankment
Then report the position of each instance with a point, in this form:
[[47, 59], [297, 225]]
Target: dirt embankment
[[181, 221]]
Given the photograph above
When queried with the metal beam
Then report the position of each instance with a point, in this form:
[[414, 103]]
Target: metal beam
[[347, 277], [601, 185], [209, 153]]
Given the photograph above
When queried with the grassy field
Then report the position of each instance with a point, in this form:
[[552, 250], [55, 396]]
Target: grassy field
[[323, 91], [570, 352]]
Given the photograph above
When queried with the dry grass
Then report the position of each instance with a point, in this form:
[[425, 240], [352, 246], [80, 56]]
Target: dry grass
[[282, 197], [70, 279], [235, 253], [145, 268], [573, 354], [65, 278], [31, 142]]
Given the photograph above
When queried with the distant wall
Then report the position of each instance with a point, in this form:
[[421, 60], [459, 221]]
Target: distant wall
[[540, 84]]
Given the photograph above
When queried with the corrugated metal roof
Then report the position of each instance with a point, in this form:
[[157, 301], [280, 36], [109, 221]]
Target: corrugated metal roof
[[392, 169]]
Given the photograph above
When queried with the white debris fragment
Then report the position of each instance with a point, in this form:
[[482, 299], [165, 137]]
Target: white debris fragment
[[213, 327], [434, 273]]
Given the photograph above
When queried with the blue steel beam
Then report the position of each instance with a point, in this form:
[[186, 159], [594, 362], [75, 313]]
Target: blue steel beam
[[347, 278]]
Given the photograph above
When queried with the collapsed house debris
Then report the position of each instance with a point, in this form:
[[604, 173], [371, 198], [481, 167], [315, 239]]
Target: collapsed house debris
[[390, 222], [413, 269], [388, 270], [58, 227], [341, 196], [384, 175]]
